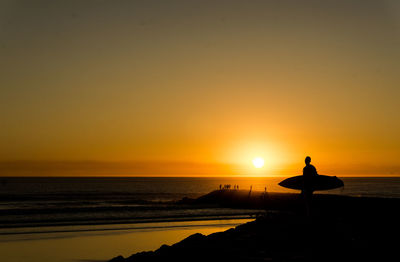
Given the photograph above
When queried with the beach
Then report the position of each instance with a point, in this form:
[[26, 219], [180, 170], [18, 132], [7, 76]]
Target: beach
[[99, 243], [340, 228]]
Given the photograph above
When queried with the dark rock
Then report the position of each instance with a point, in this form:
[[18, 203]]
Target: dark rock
[[118, 259], [190, 240]]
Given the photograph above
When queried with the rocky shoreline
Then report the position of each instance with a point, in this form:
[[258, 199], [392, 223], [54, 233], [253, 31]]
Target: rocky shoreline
[[340, 228]]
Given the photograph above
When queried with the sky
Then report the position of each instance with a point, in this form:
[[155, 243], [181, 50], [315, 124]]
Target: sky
[[199, 87]]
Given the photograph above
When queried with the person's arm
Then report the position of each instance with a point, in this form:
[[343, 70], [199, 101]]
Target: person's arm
[[315, 171]]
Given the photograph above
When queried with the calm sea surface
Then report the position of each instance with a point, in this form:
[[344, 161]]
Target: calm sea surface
[[68, 201]]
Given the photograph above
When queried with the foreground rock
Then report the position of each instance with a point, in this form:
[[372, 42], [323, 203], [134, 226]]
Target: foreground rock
[[357, 229]]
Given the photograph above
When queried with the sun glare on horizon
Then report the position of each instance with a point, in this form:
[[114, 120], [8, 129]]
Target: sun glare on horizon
[[258, 162]]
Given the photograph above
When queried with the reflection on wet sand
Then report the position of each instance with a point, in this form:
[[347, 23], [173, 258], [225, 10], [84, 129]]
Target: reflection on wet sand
[[91, 243]]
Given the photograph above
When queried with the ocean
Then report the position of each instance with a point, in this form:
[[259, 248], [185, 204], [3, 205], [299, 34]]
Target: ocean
[[44, 201]]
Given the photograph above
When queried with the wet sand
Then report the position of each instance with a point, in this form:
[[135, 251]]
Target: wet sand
[[98, 242], [340, 228]]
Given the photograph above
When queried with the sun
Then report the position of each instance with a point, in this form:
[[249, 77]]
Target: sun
[[258, 162]]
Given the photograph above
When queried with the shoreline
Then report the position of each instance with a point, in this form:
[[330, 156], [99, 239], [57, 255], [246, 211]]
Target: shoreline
[[102, 244], [148, 226], [235, 214], [340, 226], [125, 225]]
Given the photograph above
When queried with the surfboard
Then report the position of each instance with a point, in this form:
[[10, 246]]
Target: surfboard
[[319, 182]]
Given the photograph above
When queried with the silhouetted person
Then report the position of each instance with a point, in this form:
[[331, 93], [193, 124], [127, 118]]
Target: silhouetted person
[[220, 186], [265, 194], [309, 173]]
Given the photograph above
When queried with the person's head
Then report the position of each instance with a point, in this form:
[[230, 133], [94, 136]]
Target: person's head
[[308, 160]]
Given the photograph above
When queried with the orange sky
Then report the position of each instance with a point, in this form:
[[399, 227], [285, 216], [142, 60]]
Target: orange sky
[[199, 87]]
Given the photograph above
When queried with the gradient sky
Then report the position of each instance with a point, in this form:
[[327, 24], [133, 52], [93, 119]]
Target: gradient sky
[[202, 84]]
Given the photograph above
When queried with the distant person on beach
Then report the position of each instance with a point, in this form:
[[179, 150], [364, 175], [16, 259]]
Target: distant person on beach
[[309, 173], [264, 196]]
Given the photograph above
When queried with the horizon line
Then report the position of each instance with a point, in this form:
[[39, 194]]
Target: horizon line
[[191, 176]]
